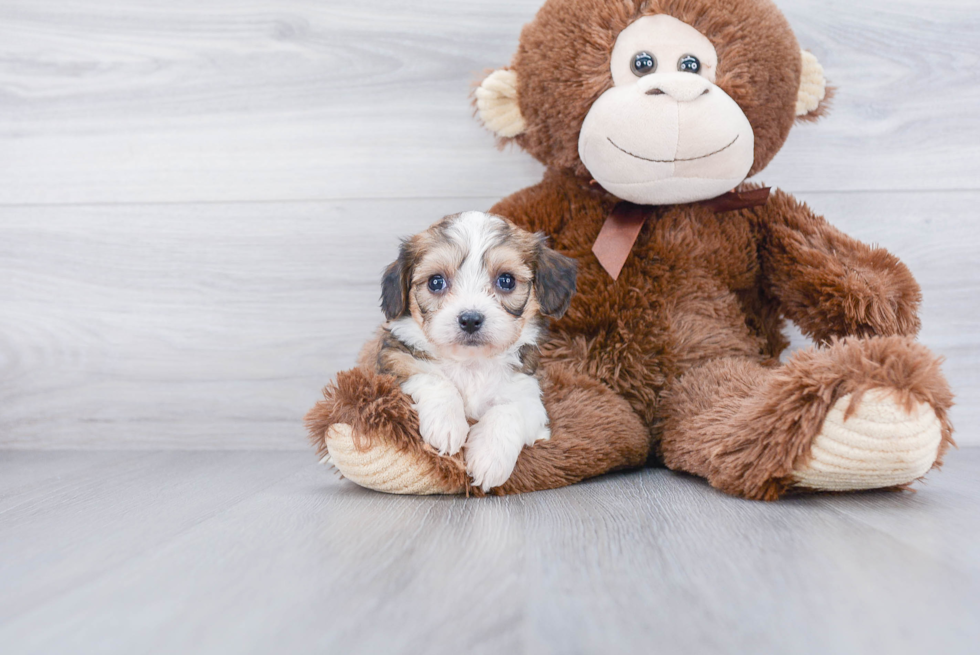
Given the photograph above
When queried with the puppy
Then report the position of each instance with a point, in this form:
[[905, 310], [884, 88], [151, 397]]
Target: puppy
[[465, 304]]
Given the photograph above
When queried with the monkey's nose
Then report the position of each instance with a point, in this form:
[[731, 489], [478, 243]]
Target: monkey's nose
[[470, 322], [682, 87]]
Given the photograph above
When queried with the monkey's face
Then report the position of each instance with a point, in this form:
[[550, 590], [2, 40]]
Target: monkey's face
[[659, 101], [665, 133]]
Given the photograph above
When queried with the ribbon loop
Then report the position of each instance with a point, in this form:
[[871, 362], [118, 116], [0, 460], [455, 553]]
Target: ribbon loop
[[618, 234]]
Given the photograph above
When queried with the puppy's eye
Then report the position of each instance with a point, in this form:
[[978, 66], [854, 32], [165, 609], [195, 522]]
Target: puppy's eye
[[506, 282], [689, 64], [643, 64], [437, 284]]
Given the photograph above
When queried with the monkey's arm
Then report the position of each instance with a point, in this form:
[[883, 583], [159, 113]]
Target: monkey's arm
[[829, 284]]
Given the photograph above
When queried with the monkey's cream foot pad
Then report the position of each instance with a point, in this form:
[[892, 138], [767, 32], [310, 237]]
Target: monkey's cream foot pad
[[879, 445], [383, 469]]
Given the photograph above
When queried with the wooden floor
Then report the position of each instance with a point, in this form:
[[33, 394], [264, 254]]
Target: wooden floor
[[248, 552]]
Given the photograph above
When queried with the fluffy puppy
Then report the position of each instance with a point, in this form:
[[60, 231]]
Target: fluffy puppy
[[465, 303]]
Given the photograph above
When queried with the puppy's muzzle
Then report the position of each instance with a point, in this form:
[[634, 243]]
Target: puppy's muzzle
[[470, 322]]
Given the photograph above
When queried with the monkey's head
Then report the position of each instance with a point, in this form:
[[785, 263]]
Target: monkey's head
[[659, 101]]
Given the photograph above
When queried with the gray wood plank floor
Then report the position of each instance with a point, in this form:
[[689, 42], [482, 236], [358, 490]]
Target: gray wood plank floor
[[263, 552]]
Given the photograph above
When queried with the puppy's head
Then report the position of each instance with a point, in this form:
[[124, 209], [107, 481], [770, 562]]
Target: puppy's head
[[476, 285]]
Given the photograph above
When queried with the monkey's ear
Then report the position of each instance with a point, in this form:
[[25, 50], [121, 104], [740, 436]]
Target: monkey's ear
[[554, 280], [396, 284], [497, 104], [813, 98]]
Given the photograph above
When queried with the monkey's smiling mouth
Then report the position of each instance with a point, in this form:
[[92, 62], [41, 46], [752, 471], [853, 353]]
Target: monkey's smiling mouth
[[671, 161]]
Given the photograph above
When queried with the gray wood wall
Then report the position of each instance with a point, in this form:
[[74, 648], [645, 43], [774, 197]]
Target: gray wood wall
[[196, 198]]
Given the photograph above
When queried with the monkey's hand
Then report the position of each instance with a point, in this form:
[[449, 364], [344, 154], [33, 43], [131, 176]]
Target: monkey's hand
[[830, 284]]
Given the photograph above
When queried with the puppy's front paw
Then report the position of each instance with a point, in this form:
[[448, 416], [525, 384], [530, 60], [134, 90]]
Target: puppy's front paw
[[535, 419], [442, 417], [541, 434], [492, 449], [442, 422]]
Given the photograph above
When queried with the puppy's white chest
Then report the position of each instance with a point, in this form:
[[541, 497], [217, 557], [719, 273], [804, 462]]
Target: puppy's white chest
[[482, 384]]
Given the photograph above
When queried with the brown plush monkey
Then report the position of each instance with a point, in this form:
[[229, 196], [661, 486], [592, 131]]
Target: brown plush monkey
[[669, 352]]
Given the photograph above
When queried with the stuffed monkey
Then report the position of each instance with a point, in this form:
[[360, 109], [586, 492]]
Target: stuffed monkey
[[650, 115]]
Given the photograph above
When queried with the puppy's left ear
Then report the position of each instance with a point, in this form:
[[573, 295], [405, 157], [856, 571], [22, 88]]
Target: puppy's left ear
[[397, 282], [554, 280]]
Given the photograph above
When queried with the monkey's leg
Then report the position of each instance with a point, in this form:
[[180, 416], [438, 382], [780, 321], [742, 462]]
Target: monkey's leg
[[593, 431], [368, 428], [858, 414]]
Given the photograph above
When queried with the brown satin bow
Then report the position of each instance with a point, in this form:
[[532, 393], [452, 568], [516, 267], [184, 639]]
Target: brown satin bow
[[618, 234]]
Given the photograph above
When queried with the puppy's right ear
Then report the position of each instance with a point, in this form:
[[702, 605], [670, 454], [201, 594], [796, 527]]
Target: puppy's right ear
[[554, 280], [397, 282]]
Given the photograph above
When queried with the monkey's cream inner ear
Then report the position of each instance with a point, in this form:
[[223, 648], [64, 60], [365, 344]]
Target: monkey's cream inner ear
[[813, 85], [497, 104]]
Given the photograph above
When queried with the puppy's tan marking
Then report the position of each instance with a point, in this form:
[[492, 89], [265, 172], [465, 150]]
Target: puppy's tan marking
[[396, 358]]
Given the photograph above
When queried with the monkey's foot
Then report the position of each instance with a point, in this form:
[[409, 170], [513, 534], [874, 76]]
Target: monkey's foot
[[879, 445], [382, 467]]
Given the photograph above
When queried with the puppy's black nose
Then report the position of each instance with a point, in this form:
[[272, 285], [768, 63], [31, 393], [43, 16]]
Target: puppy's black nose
[[470, 322]]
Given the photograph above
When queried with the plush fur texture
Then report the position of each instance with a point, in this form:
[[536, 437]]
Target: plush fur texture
[[677, 360], [746, 427], [592, 430], [381, 416]]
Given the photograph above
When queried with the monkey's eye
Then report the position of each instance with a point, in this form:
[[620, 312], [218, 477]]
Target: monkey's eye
[[506, 282], [437, 284], [689, 64], [643, 64]]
